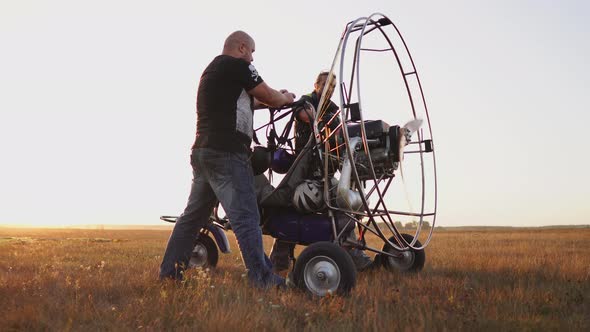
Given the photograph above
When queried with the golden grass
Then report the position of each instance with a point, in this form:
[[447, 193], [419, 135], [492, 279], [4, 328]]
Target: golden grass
[[525, 279]]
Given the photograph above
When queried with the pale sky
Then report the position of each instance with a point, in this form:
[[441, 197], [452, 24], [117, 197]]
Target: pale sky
[[97, 100]]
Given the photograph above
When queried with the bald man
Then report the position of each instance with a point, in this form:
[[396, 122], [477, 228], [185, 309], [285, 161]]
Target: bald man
[[228, 90]]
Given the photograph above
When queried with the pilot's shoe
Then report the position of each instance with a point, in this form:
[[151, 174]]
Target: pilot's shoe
[[361, 260]]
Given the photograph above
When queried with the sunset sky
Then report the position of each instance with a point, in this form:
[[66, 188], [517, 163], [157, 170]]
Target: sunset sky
[[97, 100]]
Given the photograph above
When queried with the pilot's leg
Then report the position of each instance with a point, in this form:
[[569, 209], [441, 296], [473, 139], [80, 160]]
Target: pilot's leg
[[280, 255]]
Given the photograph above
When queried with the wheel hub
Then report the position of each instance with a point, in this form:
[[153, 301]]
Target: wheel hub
[[199, 256], [322, 275], [402, 260]]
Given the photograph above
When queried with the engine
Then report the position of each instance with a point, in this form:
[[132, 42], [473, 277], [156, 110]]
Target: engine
[[384, 148]]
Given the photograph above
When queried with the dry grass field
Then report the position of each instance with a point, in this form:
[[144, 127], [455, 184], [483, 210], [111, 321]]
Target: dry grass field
[[515, 279]]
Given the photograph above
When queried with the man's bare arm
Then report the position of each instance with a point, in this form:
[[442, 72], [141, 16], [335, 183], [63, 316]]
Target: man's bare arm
[[270, 97], [258, 104]]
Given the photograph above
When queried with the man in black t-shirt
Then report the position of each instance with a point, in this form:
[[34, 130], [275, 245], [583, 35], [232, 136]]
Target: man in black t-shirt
[[229, 89]]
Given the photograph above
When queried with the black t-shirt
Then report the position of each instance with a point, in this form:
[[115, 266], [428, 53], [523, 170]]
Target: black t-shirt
[[224, 108], [303, 130]]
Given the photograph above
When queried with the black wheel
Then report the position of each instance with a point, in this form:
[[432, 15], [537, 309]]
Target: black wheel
[[205, 253], [404, 261], [324, 268]]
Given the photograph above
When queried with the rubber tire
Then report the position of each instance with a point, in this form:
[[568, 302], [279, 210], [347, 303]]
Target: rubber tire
[[338, 255], [419, 256], [212, 251]]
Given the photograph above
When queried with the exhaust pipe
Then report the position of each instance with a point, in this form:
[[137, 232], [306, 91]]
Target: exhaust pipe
[[347, 198]]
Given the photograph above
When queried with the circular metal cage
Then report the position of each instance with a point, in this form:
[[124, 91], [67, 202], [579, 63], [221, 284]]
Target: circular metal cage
[[386, 171]]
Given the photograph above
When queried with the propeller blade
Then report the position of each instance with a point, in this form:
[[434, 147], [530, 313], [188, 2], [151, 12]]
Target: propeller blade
[[413, 125]]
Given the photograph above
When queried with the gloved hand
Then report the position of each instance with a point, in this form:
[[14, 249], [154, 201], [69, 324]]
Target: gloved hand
[[306, 112]]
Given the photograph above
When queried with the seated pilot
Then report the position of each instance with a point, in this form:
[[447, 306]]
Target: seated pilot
[[302, 187]]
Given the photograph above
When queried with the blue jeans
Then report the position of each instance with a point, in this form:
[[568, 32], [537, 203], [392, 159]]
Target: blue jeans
[[225, 177]]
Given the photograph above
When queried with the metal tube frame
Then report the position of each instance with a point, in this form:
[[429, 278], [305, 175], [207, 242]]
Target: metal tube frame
[[371, 212]]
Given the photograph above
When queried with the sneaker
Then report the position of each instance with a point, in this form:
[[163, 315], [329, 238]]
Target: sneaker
[[270, 281], [361, 260], [278, 282]]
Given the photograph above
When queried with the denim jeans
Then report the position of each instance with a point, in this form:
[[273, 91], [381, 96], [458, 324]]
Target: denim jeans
[[225, 177]]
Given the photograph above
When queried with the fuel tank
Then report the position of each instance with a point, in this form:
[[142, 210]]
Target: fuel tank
[[293, 226]]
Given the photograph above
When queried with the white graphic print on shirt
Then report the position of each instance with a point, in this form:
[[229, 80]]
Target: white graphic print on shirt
[[244, 114], [254, 73]]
